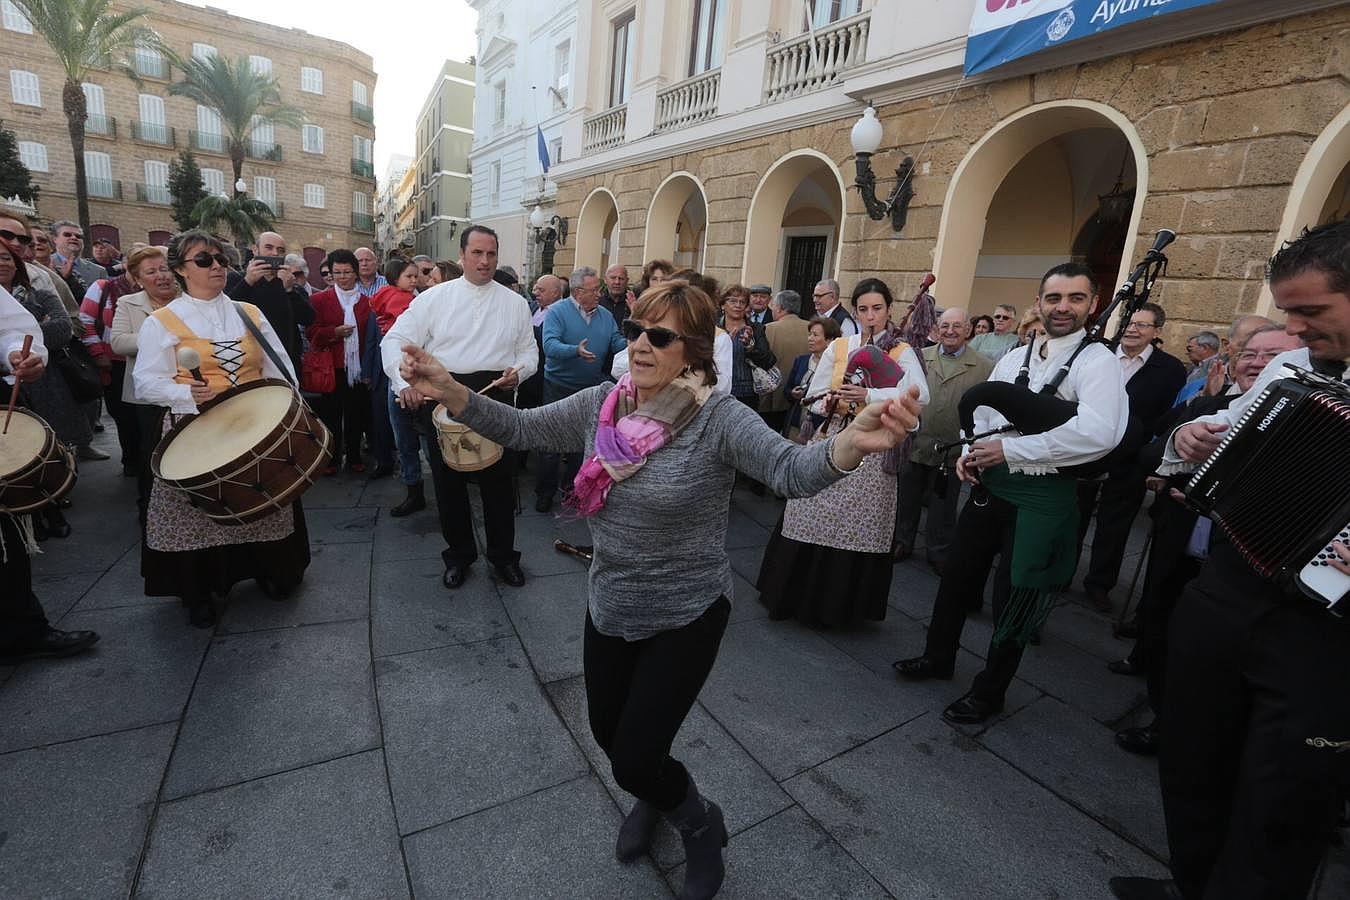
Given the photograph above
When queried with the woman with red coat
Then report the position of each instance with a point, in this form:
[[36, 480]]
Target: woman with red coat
[[341, 316]]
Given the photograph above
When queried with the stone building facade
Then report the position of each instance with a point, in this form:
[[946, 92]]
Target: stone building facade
[[1236, 138], [320, 185]]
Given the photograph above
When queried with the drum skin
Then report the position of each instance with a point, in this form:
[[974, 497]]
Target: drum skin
[[462, 448], [258, 481], [35, 468]]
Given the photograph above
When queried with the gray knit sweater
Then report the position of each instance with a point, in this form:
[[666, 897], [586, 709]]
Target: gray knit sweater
[[660, 540]]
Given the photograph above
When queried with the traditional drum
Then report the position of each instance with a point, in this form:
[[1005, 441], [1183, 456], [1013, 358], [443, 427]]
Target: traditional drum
[[462, 448], [35, 468], [250, 452]]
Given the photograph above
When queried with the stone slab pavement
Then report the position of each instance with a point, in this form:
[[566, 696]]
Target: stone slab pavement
[[377, 736]]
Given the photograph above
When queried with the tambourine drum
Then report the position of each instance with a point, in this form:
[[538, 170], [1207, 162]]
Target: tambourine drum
[[462, 448], [250, 452], [35, 468]]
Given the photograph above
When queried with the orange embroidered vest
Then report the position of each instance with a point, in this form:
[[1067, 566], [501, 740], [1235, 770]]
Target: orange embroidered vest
[[246, 351]]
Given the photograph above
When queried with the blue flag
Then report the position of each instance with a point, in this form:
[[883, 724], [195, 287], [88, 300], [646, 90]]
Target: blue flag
[[543, 148]]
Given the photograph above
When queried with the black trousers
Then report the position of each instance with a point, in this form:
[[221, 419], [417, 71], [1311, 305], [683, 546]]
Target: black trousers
[[638, 694], [981, 533], [1255, 679], [381, 428], [346, 412], [496, 487], [123, 414], [546, 480], [21, 616], [1117, 501], [148, 427], [918, 486]]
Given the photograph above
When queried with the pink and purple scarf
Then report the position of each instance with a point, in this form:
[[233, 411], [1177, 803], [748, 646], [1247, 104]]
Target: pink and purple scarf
[[627, 434]]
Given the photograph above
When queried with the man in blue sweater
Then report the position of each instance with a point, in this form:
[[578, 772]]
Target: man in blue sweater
[[579, 334]]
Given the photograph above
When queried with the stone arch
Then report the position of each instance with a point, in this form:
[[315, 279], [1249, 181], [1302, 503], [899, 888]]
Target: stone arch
[[1320, 188], [982, 172], [810, 178], [597, 229], [674, 214]]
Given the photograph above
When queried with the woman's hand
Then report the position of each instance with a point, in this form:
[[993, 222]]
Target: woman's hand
[[878, 427], [25, 368], [1215, 378], [425, 373], [201, 393], [343, 330], [852, 393]]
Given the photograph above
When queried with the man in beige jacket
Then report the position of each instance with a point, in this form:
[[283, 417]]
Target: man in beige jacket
[[787, 339]]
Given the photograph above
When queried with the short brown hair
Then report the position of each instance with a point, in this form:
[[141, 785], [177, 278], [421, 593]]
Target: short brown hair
[[141, 254], [735, 290], [704, 283], [697, 317], [828, 325]]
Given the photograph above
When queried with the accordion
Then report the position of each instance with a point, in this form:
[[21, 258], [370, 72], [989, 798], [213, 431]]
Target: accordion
[[1276, 489]]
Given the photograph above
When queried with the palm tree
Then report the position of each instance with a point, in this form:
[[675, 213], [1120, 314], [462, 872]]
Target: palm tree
[[243, 216], [87, 34], [240, 96]]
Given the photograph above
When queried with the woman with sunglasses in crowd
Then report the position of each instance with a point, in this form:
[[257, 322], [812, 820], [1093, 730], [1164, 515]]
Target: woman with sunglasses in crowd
[[749, 346], [185, 554], [662, 450]]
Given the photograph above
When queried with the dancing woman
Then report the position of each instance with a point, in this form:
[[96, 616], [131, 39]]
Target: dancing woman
[[829, 558], [662, 451]]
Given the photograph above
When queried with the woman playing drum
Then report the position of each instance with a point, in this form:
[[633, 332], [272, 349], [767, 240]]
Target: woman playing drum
[[185, 554]]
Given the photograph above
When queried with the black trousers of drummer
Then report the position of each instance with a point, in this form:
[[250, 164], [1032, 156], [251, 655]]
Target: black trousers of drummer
[[982, 532], [1254, 755], [496, 486], [21, 617]]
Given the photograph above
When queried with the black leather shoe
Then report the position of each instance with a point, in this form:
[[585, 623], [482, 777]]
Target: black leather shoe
[[1142, 740], [543, 504], [202, 613], [921, 668], [1135, 888], [511, 574], [455, 576], [1124, 666], [971, 711], [380, 472], [416, 501], [53, 643]]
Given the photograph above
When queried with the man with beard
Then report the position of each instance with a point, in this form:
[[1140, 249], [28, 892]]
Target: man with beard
[[266, 283]]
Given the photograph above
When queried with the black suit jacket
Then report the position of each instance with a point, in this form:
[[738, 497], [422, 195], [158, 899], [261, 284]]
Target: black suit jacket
[[1153, 388]]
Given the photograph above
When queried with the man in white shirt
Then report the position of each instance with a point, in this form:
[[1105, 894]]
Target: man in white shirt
[[24, 630], [986, 525], [1254, 741], [826, 297], [481, 332]]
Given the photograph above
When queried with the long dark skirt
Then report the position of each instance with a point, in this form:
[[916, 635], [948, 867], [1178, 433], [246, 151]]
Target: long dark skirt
[[822, 585], [198, 573]]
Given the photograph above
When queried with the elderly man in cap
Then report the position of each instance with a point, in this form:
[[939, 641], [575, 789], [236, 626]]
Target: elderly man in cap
[[760, 313], [786, 334]]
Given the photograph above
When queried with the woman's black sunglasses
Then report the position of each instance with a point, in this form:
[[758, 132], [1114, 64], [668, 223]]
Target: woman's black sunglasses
[[203, 260], [659, 337], [23, 239]]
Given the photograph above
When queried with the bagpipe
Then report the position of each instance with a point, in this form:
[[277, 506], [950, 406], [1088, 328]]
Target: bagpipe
[[1035, 412]]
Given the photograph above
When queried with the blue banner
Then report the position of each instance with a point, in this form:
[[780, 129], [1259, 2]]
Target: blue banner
[[1004, 30]]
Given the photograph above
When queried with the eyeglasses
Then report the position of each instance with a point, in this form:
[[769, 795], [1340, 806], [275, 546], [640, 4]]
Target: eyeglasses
[[426, 271], [324, 273], [659, 337], [24, 239], [1252, 355], [203, 260], [999, 318], [822, 295], [1140, 325]]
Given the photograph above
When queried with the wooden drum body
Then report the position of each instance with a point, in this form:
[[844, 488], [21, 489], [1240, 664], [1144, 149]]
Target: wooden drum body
[[462, 448], [35, 468], [252, 451]]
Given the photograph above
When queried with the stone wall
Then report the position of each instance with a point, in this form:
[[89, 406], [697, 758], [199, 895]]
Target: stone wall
[[1225, 120]]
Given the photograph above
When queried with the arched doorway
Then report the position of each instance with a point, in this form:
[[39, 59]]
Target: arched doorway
[[1320, 192], [792, 237], [314, 257], [677, 223], [159, 237], [109, 233], [598, 231], [1029, 195]]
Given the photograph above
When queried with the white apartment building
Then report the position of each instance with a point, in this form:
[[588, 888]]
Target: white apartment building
[[524, 82], [387, 202]]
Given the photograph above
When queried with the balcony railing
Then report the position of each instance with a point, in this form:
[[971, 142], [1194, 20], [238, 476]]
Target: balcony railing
[[153, 193], [604, 131], [278, 208], [363, 222], [263, 150], [208, 141], [104, 188], [363, 113], [362, 168], [153, 133], [802, 64], [150, 65], [688, 102], [104, 126]]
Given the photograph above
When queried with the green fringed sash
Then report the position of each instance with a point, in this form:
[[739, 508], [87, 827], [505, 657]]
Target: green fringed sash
[[1045, 542]]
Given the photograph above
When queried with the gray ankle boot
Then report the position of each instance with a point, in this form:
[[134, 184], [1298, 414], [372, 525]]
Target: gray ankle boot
[[699, 822], [635, 834]]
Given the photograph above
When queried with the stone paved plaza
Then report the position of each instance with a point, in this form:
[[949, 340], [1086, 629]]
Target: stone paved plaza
[[379, 736]]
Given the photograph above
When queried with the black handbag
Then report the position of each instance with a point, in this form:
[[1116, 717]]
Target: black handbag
[[77, 367]]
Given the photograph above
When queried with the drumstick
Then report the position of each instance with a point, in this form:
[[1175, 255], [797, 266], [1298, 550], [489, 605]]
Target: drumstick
[[494, 384], [14, 394]]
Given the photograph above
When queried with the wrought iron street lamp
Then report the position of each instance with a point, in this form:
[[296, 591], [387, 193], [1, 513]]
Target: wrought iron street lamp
[[866, 139]]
